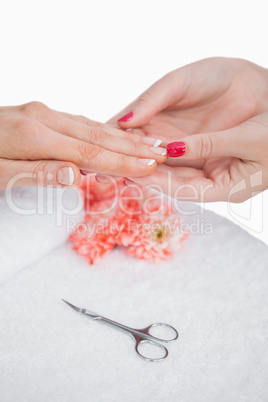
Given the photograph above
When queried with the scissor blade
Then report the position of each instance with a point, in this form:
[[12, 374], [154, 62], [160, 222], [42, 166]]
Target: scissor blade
[[84, 311], [79, 310]]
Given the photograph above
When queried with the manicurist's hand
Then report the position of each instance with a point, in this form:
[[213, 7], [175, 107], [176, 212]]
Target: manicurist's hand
[[206, 96], [39, 146], [204, 113], [233, 164]]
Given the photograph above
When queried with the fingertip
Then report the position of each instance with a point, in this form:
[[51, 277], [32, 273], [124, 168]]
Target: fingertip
[[145, 167], [125, 118], [68, 176], [176, 149], [147, 162]]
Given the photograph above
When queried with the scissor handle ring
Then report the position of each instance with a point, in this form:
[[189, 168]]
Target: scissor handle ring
[[158, 345], [158, 324]]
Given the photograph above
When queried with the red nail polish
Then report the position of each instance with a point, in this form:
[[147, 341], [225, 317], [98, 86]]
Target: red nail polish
[[126, 118], [175, 149]]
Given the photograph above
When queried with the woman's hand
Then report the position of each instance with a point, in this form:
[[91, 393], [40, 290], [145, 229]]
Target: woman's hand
[[206, 96], [218, 99], [234, 165], [39, 146]]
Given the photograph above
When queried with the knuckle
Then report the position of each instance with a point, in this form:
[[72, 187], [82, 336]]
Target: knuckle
[[27, 128], [145, 98], [39, 166], [91, 123], [88, 152], [121, 162], [3, 167], [34, 109], [23, 125], [170, 77], [134, 147], [40, 172], [206, 146], [97, 135]]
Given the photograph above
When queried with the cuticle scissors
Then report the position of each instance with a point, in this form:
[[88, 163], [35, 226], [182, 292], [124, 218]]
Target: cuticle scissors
[[141, 336]]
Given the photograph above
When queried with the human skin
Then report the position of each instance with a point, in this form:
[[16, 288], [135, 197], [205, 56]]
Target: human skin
[[40, 146], [218, 108]]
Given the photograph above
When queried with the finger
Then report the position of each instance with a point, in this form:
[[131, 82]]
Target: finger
[[182, 171], [95, 158], [239, 142], [63, 122], [96, 133], [179, 172], [195, 189], [14, 173], [106, 178], [110, 138], [81, 119], [40, 142], [165, 92], [41, 112], [177, 162], [92, 157]]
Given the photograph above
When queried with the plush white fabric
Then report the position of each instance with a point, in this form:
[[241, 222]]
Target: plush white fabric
[[215, 292], [33, 222]]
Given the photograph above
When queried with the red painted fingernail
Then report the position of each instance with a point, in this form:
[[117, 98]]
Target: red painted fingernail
[[126, 118], [175, 149]]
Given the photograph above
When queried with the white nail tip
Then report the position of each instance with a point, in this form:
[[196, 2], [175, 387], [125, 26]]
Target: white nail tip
[[71, 176], [164, 152], [151, 162], [157, 143]]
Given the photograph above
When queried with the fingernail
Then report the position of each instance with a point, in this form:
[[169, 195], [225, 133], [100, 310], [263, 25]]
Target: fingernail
[[128, 179], [148, 162], [84, 172], [159, 151], [128, 182], [175, 149], [126, 117], [101, 179], [151, 141], [65, 176]]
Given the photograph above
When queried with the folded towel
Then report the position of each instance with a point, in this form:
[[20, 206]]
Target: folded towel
[[215, 292], [33, 222]]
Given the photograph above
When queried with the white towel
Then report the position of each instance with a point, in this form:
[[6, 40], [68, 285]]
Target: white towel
[[215, 292]]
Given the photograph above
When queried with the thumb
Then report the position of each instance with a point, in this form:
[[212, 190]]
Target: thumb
[[235, 142], [42, 173], [158, 97]]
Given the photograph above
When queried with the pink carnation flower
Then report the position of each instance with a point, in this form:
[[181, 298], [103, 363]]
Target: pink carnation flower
[[131, 217], [157, 238]]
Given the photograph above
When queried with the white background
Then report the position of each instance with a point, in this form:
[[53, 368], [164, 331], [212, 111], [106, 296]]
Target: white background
[[93, 57]]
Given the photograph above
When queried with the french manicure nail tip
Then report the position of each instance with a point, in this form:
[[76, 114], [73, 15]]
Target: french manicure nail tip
[[65, 176], [147, 162], [71, 176], [164, 152], [157, 143]]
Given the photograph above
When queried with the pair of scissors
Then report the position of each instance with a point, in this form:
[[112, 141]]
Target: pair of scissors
[[141, 336]]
